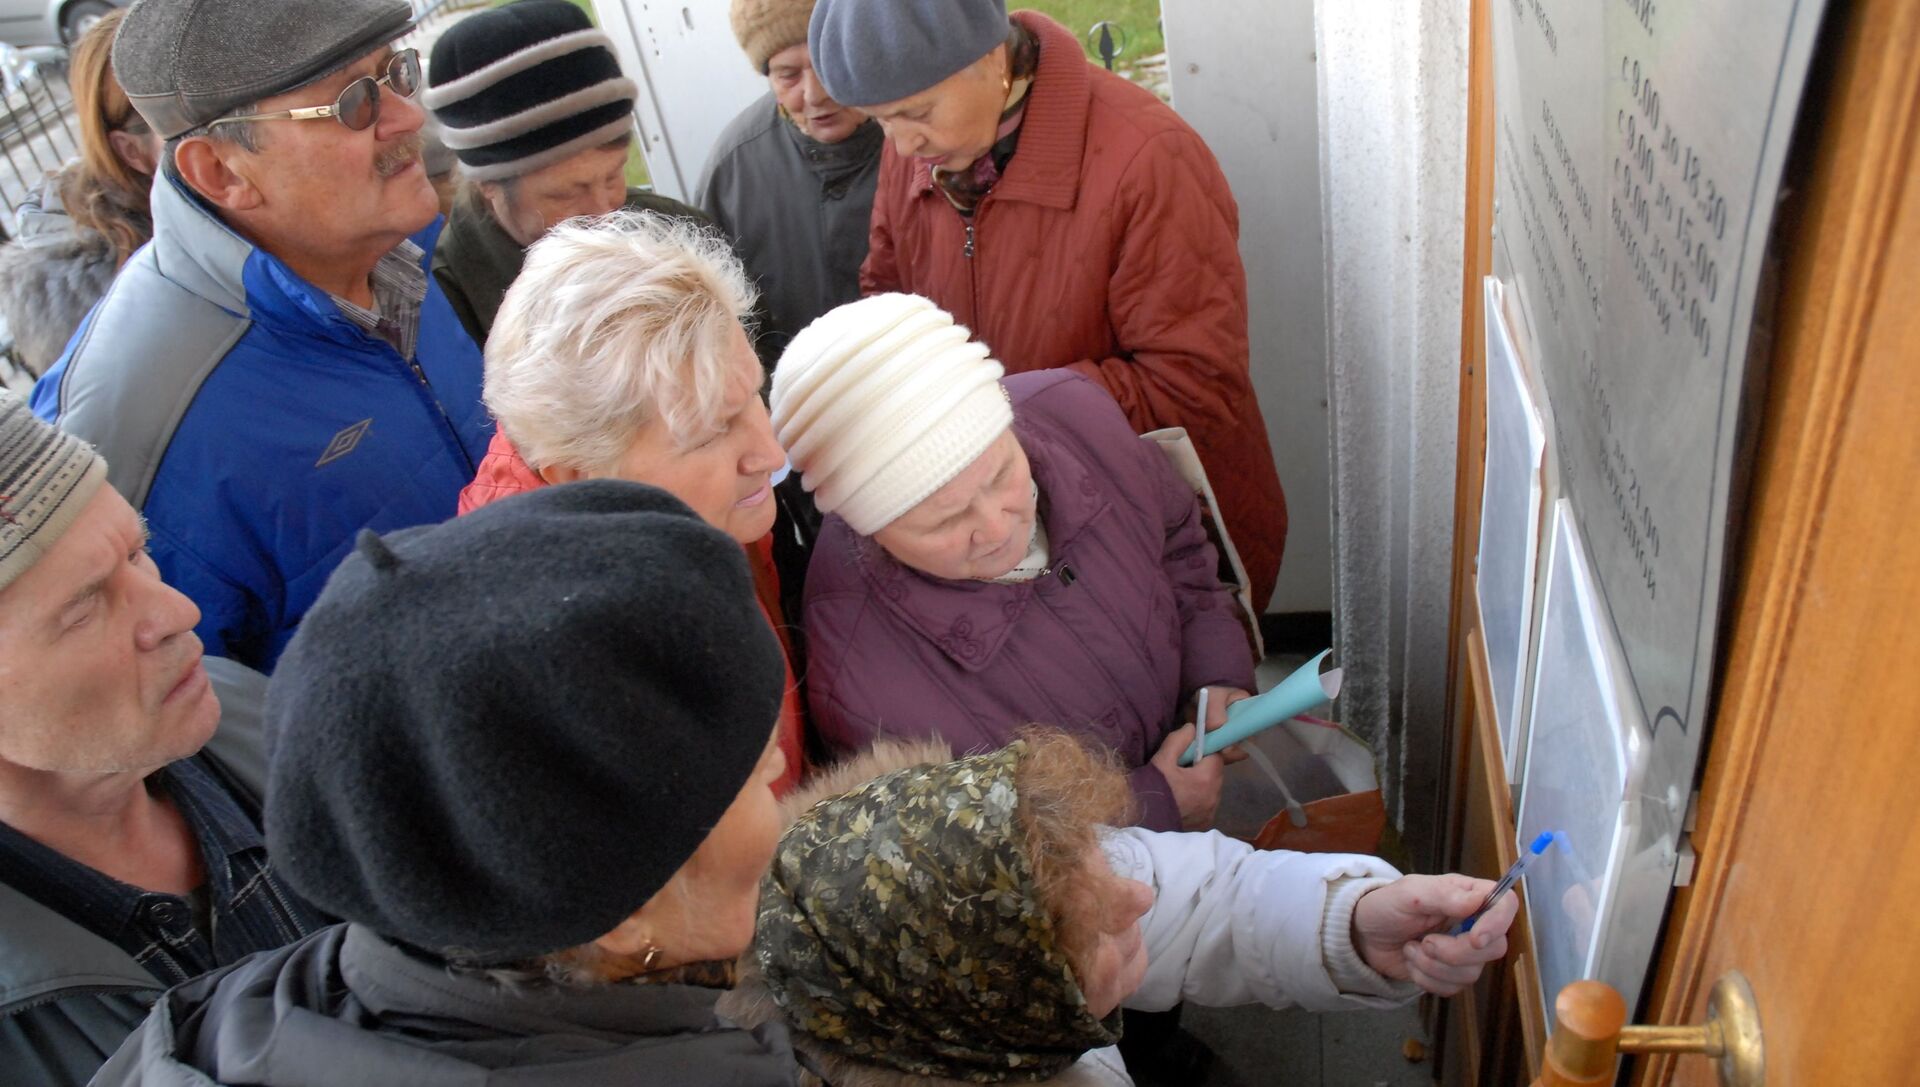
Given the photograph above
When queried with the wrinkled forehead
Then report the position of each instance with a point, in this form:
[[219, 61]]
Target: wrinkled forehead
[[99, 539], [912, 104], [978, 475]]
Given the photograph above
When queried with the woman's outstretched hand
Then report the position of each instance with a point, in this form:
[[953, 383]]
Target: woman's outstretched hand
[[1400, 930]]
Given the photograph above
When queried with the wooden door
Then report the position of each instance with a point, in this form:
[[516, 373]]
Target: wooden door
[[1809, 826], [1808, 834]]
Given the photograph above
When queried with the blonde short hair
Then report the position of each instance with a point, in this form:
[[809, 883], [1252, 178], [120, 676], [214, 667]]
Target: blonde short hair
[[613, 322]]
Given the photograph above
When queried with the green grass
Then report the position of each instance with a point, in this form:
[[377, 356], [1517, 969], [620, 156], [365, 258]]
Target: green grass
[[1138, 19]]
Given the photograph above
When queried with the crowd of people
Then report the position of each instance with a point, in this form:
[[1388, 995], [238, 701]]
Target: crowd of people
[[554, 632]]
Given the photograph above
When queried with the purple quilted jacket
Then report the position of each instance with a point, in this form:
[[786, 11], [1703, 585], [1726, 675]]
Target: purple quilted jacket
[[1130, 621]]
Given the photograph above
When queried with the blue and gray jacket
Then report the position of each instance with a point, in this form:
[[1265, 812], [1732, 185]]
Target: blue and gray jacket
[[255, 426]]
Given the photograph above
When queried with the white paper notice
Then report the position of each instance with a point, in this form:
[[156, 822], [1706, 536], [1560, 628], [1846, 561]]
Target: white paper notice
[[1585, 762], [1510, 528], [1639, 147]]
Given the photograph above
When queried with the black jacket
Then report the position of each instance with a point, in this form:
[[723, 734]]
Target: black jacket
[[476, 260], [68, 997]]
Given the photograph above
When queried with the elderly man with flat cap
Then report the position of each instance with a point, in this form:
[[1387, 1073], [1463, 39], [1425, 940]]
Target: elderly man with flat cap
[[277, 369], [131, 856]]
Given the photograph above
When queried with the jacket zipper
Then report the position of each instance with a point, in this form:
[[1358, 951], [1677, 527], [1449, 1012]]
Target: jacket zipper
[[973, 270], [452, 431]]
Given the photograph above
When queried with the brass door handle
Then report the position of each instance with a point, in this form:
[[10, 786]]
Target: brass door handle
[[1592, 1032]]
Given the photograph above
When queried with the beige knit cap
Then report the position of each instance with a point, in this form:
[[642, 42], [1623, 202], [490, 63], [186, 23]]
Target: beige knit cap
[[764, 27], [881, 402], [46, 478]]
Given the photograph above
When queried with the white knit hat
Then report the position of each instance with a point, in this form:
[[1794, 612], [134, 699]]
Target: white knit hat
[[881, 402]]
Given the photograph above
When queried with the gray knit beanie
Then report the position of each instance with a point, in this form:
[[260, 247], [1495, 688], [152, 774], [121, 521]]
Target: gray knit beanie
[[186, 62], [521, 87], [867, 52], [47, 477]]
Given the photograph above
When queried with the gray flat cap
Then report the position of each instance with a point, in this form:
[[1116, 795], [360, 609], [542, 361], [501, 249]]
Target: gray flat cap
[[186, 62], [870, 52]]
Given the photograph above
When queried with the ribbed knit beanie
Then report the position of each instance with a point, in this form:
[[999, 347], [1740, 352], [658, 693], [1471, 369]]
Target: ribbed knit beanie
[[868, 52], [521, 87], [498, 737], [47, 477], [764, 27], [880, 402]]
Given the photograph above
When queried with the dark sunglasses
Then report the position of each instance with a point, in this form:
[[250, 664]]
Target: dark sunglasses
[[358, 106]]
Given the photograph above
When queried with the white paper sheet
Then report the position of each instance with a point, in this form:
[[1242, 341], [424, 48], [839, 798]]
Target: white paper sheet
[[1585, 761], [1510, 528]]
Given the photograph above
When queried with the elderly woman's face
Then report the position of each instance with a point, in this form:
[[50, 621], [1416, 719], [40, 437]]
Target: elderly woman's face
[[977, 526], [951, 123], [808, 106], [591, 182], [1118, 962], [726, 477]]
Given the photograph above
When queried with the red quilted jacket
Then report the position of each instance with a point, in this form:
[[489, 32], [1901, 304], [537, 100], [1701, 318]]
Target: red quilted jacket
[[1110, 246]]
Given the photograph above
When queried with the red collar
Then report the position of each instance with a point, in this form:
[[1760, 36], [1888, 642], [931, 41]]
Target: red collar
[[1053, 136]]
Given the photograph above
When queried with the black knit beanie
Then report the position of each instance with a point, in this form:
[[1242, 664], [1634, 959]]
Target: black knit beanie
[[521, 87], [498, 737]]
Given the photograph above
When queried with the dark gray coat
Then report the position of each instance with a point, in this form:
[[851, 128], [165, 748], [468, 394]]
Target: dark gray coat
[[477, 260], [796, 211], [68, 997], [345, 1007]]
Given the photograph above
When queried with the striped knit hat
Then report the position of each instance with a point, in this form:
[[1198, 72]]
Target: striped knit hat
[[521, 87], [46, 478]]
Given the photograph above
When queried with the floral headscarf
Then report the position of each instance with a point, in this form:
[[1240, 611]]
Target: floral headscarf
[[899, 926]]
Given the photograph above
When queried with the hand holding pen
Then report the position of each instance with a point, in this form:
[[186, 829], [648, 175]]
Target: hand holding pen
[[1398, 930], [1514, 872]]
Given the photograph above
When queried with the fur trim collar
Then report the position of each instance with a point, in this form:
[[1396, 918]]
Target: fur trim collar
[[884, 757], [751, 1005]]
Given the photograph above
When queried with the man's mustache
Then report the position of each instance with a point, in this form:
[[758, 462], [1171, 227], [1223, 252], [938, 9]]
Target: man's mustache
[[404, 153]]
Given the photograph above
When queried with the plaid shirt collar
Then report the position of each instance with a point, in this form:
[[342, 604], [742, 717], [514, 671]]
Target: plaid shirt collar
[[250, 910], [399, 288]]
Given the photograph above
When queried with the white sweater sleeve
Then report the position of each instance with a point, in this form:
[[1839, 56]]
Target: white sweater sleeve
[[1234, 925]]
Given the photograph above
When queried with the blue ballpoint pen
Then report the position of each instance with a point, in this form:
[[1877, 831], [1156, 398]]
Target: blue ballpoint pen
[[1538, 846]]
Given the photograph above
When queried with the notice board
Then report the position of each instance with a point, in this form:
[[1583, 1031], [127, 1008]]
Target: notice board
[[1638, 148]]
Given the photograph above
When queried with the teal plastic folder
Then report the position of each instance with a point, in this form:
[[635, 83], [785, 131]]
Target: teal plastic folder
[[1306, 688]]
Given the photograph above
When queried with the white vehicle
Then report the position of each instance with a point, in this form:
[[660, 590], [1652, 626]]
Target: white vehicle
[[49, 22]]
